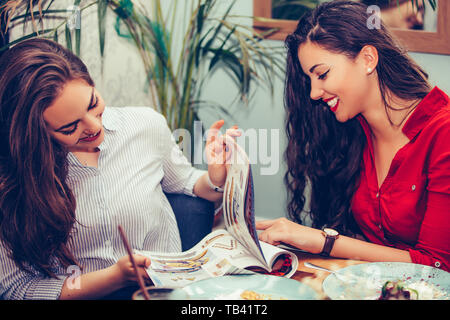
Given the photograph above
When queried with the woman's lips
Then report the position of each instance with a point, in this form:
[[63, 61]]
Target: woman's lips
[[91, 138], [333, 103], [329, 99], [335, 107]]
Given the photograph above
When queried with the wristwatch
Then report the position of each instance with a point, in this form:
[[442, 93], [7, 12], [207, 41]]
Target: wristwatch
[[330, 237]]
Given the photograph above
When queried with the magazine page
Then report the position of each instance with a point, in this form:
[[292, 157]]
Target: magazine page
[[288, 261], [281, 262], [238, 203], [216, 255]]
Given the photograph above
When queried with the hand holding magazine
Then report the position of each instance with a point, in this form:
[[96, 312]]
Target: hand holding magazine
[[236, 250]]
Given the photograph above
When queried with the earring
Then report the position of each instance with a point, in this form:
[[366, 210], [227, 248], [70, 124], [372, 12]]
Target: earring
[[369, 70]]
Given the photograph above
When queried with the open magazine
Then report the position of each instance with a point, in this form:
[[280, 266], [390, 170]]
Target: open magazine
[[236, 250]]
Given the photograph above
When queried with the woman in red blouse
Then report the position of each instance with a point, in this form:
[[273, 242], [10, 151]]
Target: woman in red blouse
[[370, 138]]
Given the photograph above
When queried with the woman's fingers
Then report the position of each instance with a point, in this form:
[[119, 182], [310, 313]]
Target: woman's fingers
[[269, 237], [142, 261], [264, 224], [214, 130], [234, 132], [274, 231], [267, 234], [219, 146]]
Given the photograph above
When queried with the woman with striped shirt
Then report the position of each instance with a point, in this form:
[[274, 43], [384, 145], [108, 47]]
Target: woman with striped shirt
[[72, 170]]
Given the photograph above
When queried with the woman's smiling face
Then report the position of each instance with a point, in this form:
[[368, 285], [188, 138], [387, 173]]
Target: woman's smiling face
[[339, 81], [75, 117]]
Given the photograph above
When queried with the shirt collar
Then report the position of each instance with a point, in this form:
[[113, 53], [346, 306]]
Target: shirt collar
[[435, 100], [110, 122]]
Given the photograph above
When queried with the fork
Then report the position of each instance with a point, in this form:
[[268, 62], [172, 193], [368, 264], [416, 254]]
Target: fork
[[342, 277]]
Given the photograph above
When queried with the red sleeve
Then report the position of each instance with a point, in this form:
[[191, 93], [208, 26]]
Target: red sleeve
[[433, 245]]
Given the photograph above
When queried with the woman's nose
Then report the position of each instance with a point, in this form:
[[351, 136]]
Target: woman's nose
[[316, 93], [93, 124]]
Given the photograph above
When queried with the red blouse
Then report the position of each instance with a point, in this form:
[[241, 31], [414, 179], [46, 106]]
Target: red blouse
[[411, 209]]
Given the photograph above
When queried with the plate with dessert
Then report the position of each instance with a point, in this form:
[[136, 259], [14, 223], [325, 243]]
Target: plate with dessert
[[388, 281]]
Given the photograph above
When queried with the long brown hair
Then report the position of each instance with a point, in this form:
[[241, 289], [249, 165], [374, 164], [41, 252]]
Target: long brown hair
[[37, 208], [321, 151]]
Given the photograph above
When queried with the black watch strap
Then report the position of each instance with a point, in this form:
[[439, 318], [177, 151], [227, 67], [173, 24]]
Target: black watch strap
[[328, 246]]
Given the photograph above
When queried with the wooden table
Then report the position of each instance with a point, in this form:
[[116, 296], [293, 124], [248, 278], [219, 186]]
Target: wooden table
[[313, 277]]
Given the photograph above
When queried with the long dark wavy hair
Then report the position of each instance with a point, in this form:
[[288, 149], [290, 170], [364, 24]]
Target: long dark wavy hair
[[323, 153], [37, 208]]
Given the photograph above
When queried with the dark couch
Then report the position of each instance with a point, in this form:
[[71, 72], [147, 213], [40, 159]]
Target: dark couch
[[195, 217]]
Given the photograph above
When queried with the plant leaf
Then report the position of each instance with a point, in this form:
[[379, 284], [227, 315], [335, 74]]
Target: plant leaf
[[68, 38], [28, 36], [102, 7]]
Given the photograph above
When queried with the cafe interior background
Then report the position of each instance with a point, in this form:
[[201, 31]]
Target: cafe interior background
[[121, 78]]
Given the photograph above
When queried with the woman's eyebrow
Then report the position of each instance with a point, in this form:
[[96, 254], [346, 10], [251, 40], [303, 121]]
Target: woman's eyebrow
[[314, 66], [76, 121]]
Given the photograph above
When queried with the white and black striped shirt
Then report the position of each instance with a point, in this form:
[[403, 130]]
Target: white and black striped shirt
[[138, 160]]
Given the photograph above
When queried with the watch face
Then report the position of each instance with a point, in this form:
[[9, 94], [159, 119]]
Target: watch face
[[330, 232]]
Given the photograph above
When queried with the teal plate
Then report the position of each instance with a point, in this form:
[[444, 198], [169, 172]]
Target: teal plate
[[432, 283], [267, 287]]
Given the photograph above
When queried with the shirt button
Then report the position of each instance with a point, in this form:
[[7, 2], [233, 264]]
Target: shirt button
[[378, 195], [437, 264], [413, 187]]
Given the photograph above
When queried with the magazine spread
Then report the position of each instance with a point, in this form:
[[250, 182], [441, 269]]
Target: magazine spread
[[236, 250]]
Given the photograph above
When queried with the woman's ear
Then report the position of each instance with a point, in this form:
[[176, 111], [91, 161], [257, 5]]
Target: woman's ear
[[369, 58]]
